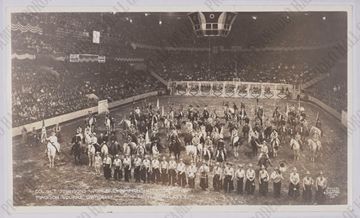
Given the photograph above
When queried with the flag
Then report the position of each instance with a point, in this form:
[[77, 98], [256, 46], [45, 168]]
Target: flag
[[96, 37], [157, 104], [162, 111]]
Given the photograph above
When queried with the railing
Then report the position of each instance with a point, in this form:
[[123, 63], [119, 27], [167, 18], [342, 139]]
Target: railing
[[77, 114]]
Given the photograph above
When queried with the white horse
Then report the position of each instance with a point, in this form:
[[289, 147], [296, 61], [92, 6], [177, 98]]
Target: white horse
[[235, 142], [192, 151], [315, 148], [104, 150], [127, 148], [88, 136], [295, 146], [275, 143], [52, 148], [197, 144]]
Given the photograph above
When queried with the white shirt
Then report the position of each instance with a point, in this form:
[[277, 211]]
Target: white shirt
[[191, 171], [294, 178], [181, 167], [155, 164], [146, 163], [117, 162], [172, 164], [240, 173], [250, 174]]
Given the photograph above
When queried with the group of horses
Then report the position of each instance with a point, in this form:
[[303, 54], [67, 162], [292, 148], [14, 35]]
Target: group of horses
[[201, 138]]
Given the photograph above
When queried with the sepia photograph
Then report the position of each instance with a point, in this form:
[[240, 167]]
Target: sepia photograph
[[189, 108]]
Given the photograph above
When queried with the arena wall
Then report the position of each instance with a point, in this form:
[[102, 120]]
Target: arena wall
[[77, 114], [327, 108]]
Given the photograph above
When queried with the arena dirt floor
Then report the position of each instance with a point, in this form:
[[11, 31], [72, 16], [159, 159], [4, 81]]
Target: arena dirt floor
[[34, 184]]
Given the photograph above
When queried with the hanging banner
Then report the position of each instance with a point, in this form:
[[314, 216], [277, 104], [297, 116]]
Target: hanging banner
[[74, 58], [96, 37], [101, 59]]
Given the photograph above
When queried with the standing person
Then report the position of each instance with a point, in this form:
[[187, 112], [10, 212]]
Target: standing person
[[191, 174], [164, 168], [145, 171], [172, 171], [307, 188], [127, 168], [240, 176], [254, 140], [263, 181], [250, 180], [218, 174], [43, 136], [155, 165], [204, 171], [180, 169], [98, 163], [276, 177], [107, 167], [137, 168], [294, 186], [321, 185], [229, 178], [118, 168]]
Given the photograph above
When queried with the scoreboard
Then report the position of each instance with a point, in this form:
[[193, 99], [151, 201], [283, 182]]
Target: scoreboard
[[212, 23]]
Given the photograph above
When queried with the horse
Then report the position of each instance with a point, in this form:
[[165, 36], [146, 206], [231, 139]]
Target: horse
[[235, 141], [76, 151], [264, 160], [188, 137], [52, 149], [126, 149], [140, 150], [104, 150], [175, 146], [274, 143], [197, 144], [315, 148], [207, 155], [220, 154], [192, 150], [295, 146], [114, 149]]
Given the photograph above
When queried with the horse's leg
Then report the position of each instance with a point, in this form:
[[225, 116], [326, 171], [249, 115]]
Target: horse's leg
[[75, 158], [90, 159], [52, 160], [49, 157]]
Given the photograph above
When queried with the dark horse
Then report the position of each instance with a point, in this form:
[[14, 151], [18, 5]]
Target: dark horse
[[175, 146], [76, 149]]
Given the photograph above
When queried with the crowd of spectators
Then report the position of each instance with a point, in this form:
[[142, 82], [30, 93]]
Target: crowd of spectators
[[332, 91], [275, 67], [42, 89], [43, 92]]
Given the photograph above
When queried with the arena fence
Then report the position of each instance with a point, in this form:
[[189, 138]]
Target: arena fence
[[77, 114], [341, 116]]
